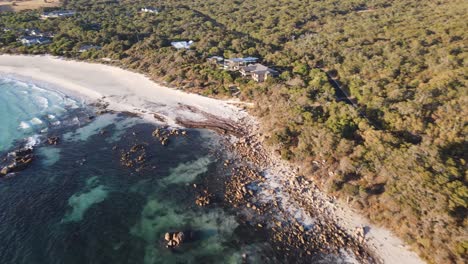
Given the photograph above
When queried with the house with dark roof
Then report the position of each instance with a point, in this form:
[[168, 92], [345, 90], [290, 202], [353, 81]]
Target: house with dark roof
[[258, 72]]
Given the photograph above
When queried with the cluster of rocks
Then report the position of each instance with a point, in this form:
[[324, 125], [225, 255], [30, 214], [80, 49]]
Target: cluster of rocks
[[203, 199], [102, 106], [239, 188], [325, 236], [291, 238], [16, 161], [322, 237], [135, 157], [248, 148], [163, 134], [174, 239], [53, 140], [360, 233]]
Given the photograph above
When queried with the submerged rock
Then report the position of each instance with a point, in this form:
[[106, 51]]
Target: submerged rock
[[174, 239], [204, 199], [53, 140]]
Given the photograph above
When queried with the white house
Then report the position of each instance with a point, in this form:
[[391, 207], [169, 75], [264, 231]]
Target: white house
[[149, 10], [85, 48], [58, 13], [32, 40], [182, 44], [235, 64], [216, 59], [33, 32]]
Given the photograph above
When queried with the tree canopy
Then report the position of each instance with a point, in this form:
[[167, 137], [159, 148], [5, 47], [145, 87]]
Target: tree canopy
[[396, 146]]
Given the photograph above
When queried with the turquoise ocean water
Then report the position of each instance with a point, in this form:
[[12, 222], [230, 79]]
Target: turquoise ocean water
[[26, 110]]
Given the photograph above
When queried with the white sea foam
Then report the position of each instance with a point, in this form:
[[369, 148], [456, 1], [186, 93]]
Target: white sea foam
[[32, 141], [46, 98], [42, 102], [36, 121], [28, 109], [24, 125]]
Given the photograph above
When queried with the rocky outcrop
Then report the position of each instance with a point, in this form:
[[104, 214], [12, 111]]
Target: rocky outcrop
[[163, 135], [239, 188], [220, 126], [174, 239], [17, 161], [134, 158], [53, 140], [102, 106]]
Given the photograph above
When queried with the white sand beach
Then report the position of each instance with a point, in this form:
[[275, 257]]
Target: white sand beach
[[123, 90], [128, 91]]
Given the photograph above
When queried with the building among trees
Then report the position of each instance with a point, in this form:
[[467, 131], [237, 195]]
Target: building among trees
[[259, 72]]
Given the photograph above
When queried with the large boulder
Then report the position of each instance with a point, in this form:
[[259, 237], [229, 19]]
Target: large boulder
[[4, 171]]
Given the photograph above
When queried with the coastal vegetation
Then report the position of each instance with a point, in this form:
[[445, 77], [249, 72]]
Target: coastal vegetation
[[371, 100]]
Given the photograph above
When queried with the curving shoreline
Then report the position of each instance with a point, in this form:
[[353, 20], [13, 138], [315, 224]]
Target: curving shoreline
[[122, 90], [126, 91]]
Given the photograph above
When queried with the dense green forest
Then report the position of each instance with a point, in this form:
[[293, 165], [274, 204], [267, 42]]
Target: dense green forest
[[398, 152]]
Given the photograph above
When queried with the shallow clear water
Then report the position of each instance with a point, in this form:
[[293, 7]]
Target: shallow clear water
[[77, 204], [26, 109]]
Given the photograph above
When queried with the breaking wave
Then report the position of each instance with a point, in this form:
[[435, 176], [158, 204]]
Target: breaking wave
[[27, 110]]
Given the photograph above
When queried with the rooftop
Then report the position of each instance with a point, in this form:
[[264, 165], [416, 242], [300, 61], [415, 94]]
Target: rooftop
[[246, 59], [218, 58], [182, 44], [89, 47], [256, 68], [149, 10], [30, 40], [59, 13]]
